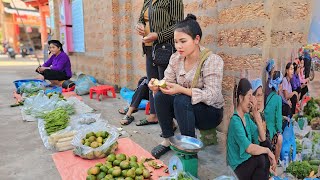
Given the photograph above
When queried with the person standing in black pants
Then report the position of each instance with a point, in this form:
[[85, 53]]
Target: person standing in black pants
[[164, 16]]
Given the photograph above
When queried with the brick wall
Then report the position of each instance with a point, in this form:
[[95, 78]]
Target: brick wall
[[245, 33]]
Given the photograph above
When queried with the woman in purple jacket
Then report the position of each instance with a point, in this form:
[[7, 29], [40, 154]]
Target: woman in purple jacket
[[58, 67]]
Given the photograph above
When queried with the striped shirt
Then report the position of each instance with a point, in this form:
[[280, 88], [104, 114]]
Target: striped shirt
[[165, 15], [209, 87]]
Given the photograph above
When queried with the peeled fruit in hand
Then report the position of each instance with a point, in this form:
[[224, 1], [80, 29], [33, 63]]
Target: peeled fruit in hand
[[162, 84], [155, 82]]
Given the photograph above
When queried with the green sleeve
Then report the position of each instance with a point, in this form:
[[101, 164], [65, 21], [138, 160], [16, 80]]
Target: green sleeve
[[278, 114], [240, 135]]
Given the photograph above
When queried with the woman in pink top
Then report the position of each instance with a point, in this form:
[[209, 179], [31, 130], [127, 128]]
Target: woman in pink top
[[304, 81]]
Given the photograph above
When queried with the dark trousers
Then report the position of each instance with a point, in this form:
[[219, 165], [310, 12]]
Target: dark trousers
[[304, 91], [307, 67], [256, 167], [294, 100], [153, 71], [188, 116], [54, 75], [142, 92]]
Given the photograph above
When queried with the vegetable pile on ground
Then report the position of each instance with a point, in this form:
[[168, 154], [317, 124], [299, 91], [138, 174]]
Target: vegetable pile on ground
[[302, 169], [59, 94], [119, 166], [30, 88], [311, 110], [56, 120]]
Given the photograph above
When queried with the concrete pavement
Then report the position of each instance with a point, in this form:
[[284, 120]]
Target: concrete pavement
[[23, 155]]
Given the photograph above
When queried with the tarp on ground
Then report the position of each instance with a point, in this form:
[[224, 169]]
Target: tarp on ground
[[74, 167]]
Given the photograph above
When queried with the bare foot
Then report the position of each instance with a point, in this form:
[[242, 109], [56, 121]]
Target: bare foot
[[152, 118]]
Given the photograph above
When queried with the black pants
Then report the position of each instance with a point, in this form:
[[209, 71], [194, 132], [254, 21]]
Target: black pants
[[307, 67], [188, 116], [294, 100], [153, 71], [142, 92], [255, 168], [304, 92], [54, 75]]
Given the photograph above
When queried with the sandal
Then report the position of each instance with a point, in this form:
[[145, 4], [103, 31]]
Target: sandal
[[125, 110], [144, 122], [159, 151], [129, 120], [174, 130]]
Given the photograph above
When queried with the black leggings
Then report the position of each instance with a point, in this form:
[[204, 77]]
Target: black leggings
[[142, 92], [256, 167], [294, 100], [54, 75], [304, 92]]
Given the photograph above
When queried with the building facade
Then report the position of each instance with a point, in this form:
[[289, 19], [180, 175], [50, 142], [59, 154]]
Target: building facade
[[245, 33]]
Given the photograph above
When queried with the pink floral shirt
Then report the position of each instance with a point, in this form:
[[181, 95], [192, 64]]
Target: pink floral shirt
[[209, 87]]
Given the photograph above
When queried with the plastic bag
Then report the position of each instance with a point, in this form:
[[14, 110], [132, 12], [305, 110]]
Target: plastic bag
[[83, 84], [107, 147], [40, 104], [306, 149], [289, 143], [127, 94], [301, 132], [87, 120], [179, 175], [50, 142], [227, 175], [30, 88]]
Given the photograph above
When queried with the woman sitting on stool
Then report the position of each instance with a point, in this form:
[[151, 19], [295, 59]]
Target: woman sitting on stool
[[58, 67], [193, 90], [245, 156]]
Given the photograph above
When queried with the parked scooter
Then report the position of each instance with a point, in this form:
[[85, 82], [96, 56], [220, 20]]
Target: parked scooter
[[11, 53]]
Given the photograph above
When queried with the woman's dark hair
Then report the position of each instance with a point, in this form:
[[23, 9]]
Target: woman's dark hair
[[242, 89], [287, 67], [276, 75], [295, 67], [56, 43], [189, 26]]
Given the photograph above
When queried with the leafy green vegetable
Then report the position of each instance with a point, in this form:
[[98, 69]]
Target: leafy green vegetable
[[56, 120], [299, 169], [311, 110]]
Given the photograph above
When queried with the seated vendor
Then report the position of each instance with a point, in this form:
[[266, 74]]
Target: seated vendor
[[58, 67], [192, 94], [273, 113], [245, 156]]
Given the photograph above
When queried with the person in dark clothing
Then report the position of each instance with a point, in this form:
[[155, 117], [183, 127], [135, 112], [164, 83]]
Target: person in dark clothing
[[141, 92], [307, 63]]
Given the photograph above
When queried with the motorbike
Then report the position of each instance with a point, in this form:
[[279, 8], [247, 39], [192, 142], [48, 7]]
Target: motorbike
[[313, 68], [11, 53]]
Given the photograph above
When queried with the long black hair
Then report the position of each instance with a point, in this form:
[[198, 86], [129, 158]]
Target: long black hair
[[189, 26], [242, 88], [287, 67]]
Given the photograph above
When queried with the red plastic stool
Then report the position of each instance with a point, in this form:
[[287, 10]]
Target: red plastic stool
[[147, 112], [102, 90]]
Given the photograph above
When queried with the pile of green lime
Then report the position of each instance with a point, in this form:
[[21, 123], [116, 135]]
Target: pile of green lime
[[95, 140], [120, 167]]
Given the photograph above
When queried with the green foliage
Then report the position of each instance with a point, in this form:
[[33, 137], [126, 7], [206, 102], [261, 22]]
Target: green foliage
[[299, 169]]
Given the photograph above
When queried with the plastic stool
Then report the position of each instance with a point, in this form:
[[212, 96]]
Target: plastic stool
[[147, 111], [102, 90]]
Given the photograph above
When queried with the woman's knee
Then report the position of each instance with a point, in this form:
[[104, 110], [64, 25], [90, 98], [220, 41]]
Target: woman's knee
[[181, 100], [261, 160]]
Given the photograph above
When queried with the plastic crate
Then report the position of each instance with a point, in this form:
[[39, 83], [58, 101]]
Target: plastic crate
[[18, 83]]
